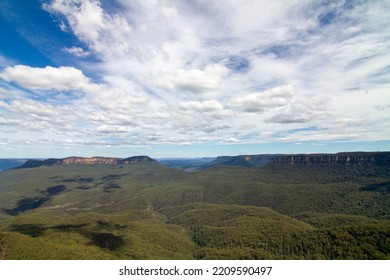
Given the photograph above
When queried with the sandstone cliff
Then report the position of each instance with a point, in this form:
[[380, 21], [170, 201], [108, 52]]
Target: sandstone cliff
[[85, 161], [346, 159]]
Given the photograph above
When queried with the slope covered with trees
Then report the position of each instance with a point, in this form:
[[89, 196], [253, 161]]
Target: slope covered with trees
[[144, 210]]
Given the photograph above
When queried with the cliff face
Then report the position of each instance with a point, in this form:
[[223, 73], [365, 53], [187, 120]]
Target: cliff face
[[89, 161], [337, 159], [345, 159], [85, 161]]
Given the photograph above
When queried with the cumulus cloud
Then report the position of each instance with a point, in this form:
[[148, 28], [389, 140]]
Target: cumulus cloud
[[114, 109], [72, 79], [300, 111], [27, 114], [261, 101], [36, 109], [116, 100], [49, 78], [206, 106], [194, 80]]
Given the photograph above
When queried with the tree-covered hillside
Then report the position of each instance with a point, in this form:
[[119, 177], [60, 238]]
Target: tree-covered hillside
[[145, 210]]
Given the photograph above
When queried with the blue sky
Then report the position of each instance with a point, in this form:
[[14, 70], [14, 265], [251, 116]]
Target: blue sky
[[193, 78]]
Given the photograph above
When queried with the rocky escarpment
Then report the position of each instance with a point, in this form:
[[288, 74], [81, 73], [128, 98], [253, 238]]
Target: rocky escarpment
[[85, 161], [337, 159], [345, 159]]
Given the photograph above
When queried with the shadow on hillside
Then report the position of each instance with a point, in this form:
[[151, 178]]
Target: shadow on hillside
[[383, 187], [84, 187], [54, 190], [79, 180], [36, 230], [111, 186], [103, 240], [112, 177], [105, 225], [66, 227], [107, 241], [31, 203], [26, 204]]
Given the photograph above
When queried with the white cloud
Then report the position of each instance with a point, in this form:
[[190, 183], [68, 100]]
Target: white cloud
[[114, 129], [310, 109], [77, 51], [208, 106], [72, 79], [116, 100], [101, 31], [194, 80], [232, 140], [29, 115], [40, 110], [9, 121], [170, 13], [189, 118], [262, 101], [48, 78]]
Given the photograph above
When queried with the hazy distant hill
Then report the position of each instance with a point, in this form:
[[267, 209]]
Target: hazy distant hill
[[137, 208], [189, 164], [10, 163]]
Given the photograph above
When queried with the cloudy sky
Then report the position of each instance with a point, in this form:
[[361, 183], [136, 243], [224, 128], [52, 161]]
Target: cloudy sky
[[193, 78]]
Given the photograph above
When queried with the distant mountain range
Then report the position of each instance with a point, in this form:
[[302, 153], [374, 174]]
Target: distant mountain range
[[193, 164]]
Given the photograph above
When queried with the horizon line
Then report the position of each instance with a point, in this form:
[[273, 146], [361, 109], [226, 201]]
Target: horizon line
[[195, 157]]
